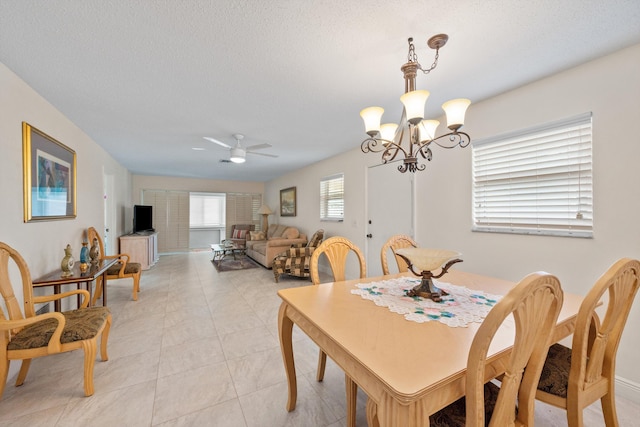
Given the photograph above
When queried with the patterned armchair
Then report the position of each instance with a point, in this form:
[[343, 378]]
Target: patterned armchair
[[295, 261]]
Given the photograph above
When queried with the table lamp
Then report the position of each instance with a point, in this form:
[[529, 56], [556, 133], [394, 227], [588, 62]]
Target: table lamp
[[265, 212]]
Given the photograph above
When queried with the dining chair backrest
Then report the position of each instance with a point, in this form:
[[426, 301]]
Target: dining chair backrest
[[591, 374], [336, 249], [534, 305], [396, 242]]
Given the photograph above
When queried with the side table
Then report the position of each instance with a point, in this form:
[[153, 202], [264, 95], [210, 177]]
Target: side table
[[95, 270]]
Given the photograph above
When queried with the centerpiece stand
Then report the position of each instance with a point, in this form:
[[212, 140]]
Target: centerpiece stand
[[422, 262]]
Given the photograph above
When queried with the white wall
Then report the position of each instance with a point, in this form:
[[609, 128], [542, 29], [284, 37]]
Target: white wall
[[41, 243], [610, 88]]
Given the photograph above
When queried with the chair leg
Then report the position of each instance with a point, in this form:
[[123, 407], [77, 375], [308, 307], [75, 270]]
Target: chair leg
[[24, 369], [352, 396], [104, 339], [136, 286], [322, 363], [276, 275], [609, 409], [89, 347], [574, 415], [4, 370]]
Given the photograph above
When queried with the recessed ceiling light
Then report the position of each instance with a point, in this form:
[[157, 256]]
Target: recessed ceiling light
[[198, 148]]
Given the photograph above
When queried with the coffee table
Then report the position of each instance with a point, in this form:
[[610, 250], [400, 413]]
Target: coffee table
[[220, 251]]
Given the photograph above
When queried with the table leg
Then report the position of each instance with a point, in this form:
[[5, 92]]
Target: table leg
[[89, 286], [372, 413], [57, 306], [390, 412], [285, 330], [104, 289]]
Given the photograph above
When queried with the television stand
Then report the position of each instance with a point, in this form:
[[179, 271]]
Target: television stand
[[142, 248]]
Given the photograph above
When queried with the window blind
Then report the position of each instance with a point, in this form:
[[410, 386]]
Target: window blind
[[242, 208], [332, 198], [206, 210], [536, 181]]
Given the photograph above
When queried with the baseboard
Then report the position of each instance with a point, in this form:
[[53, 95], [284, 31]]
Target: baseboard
[[628, 389]]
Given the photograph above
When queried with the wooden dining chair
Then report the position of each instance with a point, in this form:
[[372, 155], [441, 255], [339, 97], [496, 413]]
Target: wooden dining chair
[[396, 242], [121, 270], [535, 304], [573, 378], [336, 250], [29, 335]]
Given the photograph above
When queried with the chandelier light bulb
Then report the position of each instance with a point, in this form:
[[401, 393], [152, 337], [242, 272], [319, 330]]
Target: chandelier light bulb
[[455, 111], [371, 117], [414, 103], [388, 132], [427, 129]]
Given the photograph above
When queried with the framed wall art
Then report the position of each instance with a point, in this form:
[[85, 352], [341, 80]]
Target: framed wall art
[[49, 169], [288, 202]]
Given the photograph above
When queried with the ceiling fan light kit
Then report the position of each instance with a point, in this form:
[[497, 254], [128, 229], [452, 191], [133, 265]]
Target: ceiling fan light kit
[[413, 136], [238, 155]]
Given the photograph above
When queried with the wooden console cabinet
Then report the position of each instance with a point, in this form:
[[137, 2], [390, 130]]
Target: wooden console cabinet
[[142, 248]]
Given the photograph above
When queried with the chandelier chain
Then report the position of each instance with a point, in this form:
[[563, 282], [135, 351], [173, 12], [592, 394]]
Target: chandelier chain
[[413, 57]]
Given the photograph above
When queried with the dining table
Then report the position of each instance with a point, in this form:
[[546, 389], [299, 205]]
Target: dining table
[[408, 369]]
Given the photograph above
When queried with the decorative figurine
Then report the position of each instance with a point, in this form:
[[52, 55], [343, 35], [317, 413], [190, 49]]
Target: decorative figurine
[[67, 262], [84, 257], [94, 252]]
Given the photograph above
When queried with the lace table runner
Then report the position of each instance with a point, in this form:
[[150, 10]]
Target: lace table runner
[[457, 309]]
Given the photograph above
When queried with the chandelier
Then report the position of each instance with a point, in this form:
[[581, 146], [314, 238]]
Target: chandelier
[[412, 137]]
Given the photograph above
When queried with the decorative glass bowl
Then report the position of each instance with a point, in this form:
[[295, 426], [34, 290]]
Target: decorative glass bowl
[[422, 262]]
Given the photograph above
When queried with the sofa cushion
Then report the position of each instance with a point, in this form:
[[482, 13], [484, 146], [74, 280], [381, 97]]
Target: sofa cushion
[[291, 233], [276, 231], [239, 234], [257, 235]]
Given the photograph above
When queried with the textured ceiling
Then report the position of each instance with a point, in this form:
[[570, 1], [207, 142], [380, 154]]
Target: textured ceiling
[[148, 79]]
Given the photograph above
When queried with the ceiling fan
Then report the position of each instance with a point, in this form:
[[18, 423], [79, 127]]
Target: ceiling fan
[[238, 153]]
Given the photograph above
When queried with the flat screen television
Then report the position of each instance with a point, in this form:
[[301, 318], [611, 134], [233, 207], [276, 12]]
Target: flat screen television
[[142, 218]]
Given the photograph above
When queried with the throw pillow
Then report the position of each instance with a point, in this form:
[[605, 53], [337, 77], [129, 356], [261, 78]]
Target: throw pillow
[[257, 235], [239, 234], [291, 233]]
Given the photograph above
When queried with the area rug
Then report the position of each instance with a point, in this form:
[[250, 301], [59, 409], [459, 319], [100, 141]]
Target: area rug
[[242, 262]]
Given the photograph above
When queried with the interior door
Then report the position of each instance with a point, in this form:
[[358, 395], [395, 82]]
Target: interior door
[[390, 209], [110, 217]]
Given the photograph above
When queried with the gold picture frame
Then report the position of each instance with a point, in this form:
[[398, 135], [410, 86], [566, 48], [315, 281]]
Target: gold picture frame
[[49, 169], [288, 202]]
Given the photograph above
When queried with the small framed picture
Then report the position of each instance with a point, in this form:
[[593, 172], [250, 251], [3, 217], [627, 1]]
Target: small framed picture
[[288, 202], [49, 169]]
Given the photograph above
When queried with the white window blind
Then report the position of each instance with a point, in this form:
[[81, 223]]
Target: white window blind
[[332, 198], [206, 210], [170, 218], [536, 181], [242, 208]]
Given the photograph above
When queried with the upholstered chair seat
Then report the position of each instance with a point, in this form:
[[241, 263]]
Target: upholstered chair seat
[[81, 324]]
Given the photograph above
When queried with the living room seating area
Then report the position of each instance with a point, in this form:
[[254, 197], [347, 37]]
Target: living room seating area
[[264, 248]]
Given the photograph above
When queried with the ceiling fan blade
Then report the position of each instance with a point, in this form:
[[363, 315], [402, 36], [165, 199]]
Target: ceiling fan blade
[[258, 146], [217, 142], [261, 154]]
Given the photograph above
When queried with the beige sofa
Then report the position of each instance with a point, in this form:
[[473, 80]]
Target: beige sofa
[[279, 238]]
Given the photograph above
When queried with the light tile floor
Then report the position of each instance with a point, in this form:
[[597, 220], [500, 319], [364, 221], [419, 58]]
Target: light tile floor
[[200, 348]]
